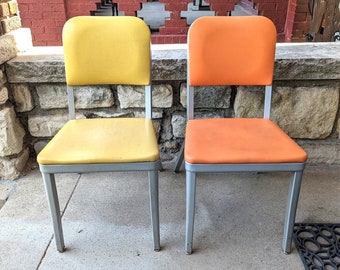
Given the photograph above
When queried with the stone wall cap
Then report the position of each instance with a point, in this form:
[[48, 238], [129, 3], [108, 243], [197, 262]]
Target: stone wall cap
[[298, 61], [310, 50]]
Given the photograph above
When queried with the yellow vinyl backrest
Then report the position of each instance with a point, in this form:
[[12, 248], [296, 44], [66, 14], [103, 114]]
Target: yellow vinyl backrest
[[231, 50], [106, 50]]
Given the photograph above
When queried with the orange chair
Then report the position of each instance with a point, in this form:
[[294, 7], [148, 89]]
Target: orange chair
[[236, 51], [104, 50]]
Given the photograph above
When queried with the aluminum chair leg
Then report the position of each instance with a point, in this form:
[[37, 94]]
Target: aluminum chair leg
[[52, 197], [154, 207], [180, 159], [190, 210], [293, 197]]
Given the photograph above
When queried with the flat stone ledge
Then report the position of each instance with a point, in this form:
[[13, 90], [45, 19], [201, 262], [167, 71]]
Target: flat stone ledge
[[297, 61]]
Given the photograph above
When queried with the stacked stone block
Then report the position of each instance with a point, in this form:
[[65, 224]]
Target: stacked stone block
[[9, 16], [13, 150]]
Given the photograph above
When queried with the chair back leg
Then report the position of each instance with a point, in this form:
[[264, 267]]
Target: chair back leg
[[293, 197], [154, 207], [53, 202], [190, 210], [180, 159]]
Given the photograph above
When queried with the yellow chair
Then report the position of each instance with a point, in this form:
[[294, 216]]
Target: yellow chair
[[236, 51], [104, 50]]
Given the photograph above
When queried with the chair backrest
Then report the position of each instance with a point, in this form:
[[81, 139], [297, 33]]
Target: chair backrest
[[227, 50], [231, 50], [107, 50]]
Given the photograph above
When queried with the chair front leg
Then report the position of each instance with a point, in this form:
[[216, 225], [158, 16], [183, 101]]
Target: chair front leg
[[293, 197], [190, 210], [53, 202], [154, 207]]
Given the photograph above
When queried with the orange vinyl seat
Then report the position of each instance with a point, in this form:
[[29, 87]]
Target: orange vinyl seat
[[236, 51], [231, 141], [104, 51]]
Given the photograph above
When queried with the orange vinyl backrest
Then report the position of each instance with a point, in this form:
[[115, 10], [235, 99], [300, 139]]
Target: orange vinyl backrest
[[106, 50], [231, 50]]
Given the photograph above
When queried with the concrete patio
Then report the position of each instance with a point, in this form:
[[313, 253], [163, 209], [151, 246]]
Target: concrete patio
[[239, 220]]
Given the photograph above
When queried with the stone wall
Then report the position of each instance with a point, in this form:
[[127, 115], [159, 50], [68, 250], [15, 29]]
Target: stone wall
[[14, 150], [305, 100]]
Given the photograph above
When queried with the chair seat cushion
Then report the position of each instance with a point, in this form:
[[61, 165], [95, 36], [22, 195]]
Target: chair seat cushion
[[239, 141], [107, 140]]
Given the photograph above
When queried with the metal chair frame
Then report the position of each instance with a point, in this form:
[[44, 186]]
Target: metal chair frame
[[192, 169], [49, 170]]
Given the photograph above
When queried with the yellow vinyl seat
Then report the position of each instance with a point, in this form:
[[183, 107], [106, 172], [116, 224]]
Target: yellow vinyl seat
[[104, 51], [236, 51]]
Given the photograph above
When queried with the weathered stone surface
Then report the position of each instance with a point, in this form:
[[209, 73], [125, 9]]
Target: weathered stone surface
[[3, 78], [7, 48], [36, 68], [55, 96], [178, 123], [338, 128], [307, 61], [10, 169], [46, 126], [10, 23], [4, 10], [155, 115], [3, 94], [22, 97], [208, 97], [38, 146], [302, 112], [322, 152], [134, 97], [11, 133], [169, 62]]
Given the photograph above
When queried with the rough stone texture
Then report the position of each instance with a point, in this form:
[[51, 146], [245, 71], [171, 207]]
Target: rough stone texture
[[46, 125], [208, 97], [338, 128], [178, 123], [169, 64], [3, 94], [38, 146], [155, 115], [11, 23], [3, 78], [7, 48], [4, 10], [22, 97], [133, 96], [10, 169], [33, 68], [302, 112], [307, 61], [55, 96], [11, 133], [323, 153]]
